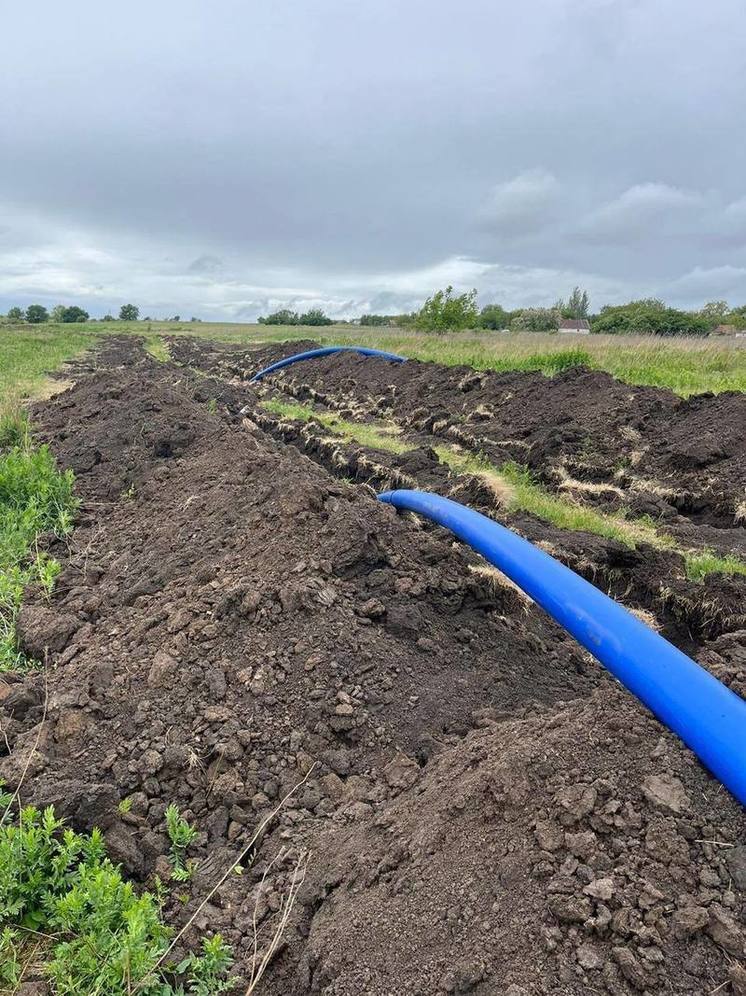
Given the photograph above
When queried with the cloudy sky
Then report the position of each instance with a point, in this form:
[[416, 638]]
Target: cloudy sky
[[228, 157]]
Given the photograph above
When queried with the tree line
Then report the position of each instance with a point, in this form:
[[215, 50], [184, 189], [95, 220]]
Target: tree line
[[445, 311]]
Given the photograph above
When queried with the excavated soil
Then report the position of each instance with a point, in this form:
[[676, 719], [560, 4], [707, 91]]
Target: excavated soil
[[478, 806], [646, 578]]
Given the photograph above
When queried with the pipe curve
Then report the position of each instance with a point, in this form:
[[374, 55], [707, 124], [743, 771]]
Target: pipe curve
[[702, 711], [326, 351]]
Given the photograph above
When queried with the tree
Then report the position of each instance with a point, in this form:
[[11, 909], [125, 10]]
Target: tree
[[57, 312], [74, 314], [537, 320], [494, 316], [282, 317], [578, 304], [649, 316], [445, 311], [36, 314], [375, 320], [314, 317], [15, 314], [129, 313], [108, 318]]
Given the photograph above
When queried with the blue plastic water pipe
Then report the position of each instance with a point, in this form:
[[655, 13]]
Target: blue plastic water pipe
[[708, 716], [311, 354]]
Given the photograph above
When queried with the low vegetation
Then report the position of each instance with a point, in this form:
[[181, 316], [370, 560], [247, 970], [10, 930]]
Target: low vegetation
[[64, 905], [35, 498]]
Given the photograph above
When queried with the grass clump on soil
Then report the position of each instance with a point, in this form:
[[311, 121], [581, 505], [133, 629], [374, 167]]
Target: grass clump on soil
[[181, 834], [35, 498], [516, 490], [383, 437], [63, 902]]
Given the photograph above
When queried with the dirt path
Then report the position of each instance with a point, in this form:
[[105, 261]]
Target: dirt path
[[486, 811]]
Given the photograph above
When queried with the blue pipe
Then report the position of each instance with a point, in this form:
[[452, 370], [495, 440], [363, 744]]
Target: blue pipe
[[326, 351], [708, 716]]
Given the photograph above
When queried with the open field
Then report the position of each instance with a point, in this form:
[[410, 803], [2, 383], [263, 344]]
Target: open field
[[684, 365], [326, 730]]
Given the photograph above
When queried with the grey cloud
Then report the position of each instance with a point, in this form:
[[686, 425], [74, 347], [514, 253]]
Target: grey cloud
[[218, 157]]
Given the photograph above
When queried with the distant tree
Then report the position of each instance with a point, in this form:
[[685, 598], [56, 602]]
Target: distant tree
[[649, 316], [176, 318], [15, 314], [129, 313], [404, 321], [536, 320], [282, 317], [494, 316], [74, 314], [57, 312], [108, 318], [193, 319], [715, 311], [375, 320], [446, 311], [314, 317], [577, 306], [37, 314]]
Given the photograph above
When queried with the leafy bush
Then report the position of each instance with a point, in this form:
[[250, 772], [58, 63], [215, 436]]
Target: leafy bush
[[537, 320], [106, 937], [649, 316], [73, 314], [446, 311], [282, 317], [494, 316], [37, 314]]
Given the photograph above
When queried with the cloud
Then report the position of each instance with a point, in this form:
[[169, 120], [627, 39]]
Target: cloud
[[645, 210], [523, 205], [717, 282]]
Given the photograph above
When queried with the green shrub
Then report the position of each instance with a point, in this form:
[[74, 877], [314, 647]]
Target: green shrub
[[104, 937]]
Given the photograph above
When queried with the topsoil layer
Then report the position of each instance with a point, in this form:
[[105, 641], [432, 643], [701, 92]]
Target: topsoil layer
[[486, 811]]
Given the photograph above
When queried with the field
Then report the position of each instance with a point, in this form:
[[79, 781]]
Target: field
[[685, 366], [327, 731]]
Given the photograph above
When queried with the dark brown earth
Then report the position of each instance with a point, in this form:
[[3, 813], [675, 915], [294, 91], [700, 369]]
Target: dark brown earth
[[486, 811], [646, 578]]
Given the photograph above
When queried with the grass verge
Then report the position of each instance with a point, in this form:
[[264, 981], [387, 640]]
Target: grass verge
[[27, 354], [516, 490], [64, 904], [35, 498]]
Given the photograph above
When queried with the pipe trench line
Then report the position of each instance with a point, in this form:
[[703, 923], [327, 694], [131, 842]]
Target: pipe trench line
[[311, 354], [702, 711]]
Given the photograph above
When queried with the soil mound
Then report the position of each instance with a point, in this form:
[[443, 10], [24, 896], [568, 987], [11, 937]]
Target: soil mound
[[483, 806]]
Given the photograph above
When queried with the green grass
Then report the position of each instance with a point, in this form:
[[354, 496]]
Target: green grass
[[157, 348], [35, 498], [29, 353], [516, 490], [63, 902], [684, 365], [376, 437]]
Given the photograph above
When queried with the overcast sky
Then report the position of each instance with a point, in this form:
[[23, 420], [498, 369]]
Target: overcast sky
[[220, 158]]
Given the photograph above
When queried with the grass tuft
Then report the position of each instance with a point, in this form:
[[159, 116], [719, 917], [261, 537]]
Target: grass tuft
[[35, 498]]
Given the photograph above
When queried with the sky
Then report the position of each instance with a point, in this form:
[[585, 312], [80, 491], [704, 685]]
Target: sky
[[223, 159]]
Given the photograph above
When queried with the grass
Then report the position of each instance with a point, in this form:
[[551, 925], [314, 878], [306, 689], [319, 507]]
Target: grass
[[382, 437], [684, 365], [29, 353], [63, 902], [35, 498], [516, 490]]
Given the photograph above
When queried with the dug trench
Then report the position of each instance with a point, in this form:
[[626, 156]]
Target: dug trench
[[478, 807], [650, 579]]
